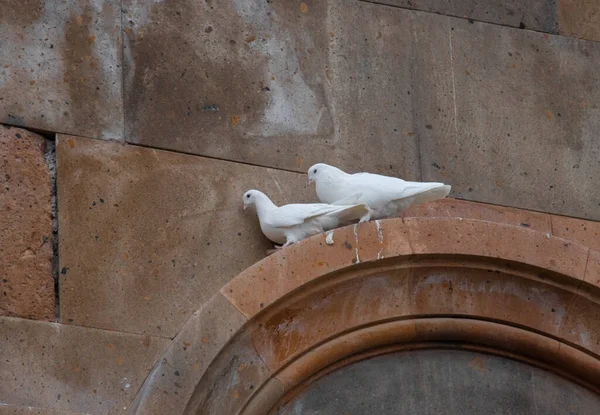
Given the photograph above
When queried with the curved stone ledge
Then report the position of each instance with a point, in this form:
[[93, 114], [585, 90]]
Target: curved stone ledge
[[443, 282]]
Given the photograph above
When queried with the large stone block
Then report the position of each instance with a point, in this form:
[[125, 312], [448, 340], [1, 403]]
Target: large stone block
[[147, 236], [26, 255], [65, 368], [538, 15], [579, 18], [511, 116], [275, 83], [61, 66]]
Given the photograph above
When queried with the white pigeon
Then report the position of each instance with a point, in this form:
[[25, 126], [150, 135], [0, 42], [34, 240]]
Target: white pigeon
[[289, 224], [386, 196]]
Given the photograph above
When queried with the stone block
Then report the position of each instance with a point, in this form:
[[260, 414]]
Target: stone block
[[171, 384], [26, 254], [584, 232], [454, 208], [67, 368], [147, 236], [539, 15], [240, 80], [281, 83], [61, 66], [510, 115], [579, 18]]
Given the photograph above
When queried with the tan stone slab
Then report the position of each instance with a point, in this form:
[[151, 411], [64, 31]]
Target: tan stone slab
[[509, 115], [26, 255], [62, 367], [148, 236], [579, 18], [171, 383], [60, 66], [454, 208], [538, 15], [581, 231]]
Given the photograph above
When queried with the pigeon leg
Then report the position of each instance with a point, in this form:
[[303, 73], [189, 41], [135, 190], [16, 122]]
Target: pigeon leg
[[365, 218]]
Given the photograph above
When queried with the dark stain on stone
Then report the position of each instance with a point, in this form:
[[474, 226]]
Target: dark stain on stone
[[525, 225], [83, 73], [162, 106], [64, 270], [20, 12], [347, 244], [437, 166]]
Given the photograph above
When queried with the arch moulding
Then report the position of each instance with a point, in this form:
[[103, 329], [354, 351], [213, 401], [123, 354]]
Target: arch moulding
[[378, 287]]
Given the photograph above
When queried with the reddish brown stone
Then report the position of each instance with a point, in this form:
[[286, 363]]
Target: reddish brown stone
[[26, 280], [267, 281], [455, 208], [581, 231], [592, 271]]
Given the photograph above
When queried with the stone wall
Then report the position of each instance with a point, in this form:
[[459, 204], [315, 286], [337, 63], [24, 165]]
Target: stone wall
[[163, 113]]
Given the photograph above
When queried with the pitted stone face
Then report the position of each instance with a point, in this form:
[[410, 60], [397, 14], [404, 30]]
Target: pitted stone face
[[62, 66]]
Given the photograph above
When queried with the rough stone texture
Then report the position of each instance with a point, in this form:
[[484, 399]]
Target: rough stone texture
[[61, 66], [372, 76], [579, 18], [240, 80], [240, 372], [581, 231], [453, 208], [276, 276], [277, 83], [442, 381], [514, 124], [57, 366], [160, 232], [28, 410], [538, 15], [171, 383], [26, 279]]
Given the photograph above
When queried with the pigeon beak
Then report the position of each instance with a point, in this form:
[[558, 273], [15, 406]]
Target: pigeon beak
[[245, 206], [310, 180]]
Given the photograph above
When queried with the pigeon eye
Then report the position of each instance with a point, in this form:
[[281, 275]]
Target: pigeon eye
[[248, 196], [315, 171]]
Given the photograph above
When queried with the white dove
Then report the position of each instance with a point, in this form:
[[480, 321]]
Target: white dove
[[386, 196], [289, 224]]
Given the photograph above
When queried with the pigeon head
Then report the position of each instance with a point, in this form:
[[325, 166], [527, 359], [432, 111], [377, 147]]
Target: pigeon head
[[255, 197], [320, 171]]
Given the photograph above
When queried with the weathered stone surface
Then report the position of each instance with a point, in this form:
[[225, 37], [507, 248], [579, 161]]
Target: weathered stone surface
[[240, 80], [57, 366], [26, 279], [579, 18], [279, 83], [28, 410], [60, 66], [160, 232], [585, 232], [172, 382], [442, 381], [538, 15], [372, 76], [511, 116]]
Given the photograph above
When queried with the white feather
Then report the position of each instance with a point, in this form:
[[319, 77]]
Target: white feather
[[386, 196], [294, 222]]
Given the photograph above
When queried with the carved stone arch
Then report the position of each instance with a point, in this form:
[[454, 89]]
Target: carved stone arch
[[378, 287]]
